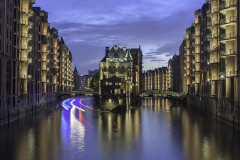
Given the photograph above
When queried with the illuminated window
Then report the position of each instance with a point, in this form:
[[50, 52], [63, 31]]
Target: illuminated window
[[119, 83], [110, 83], [116, 83], [106, 83]]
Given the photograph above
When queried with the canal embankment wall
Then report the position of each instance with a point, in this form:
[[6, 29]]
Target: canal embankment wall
[[224, 113], [26, 105]]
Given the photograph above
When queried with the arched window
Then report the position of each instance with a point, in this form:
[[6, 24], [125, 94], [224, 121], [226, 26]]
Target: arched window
[[8, 77], [123, 69], [114, 69], [110, 69], [104, 69]]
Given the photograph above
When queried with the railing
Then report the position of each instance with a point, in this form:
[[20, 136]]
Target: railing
[[209, 36], [228, 53], [25, 35], [30, 24], [209, 24], [30, 36], [214, 78], [23, 22], [230, 4], [29, 60], [213, 60], [209, 12], [232, 35], [231, 73], [196, 61], [30, 48], [228, 20], [23, 76], [213, 49], [30, 12], [222, 75], [23, 59], [24, 47]]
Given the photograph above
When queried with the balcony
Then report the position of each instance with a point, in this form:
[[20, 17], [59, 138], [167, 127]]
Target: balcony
[[29, 48], [23, 22], [213, 48], [196, 70], [29, 76], [30, 12], [23, 76], [187, 74], [228, 21], [195, 43], [228, 37], [230, 74], [210, 12], [24, 47], [212, 61], [23, 59], [209, 37], [211, 24], [224, 54], [196, 61], [30, 36], [44, 59], [24, 35], [231, 5], [213, 78], [222, 75], [30, 25], [29, 60]]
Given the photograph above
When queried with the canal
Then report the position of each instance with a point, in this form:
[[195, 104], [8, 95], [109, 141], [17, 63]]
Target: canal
[[159, 129]]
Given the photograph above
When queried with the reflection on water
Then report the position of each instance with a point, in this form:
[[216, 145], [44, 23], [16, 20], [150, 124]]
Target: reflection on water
[[73, 131], [159, 129]]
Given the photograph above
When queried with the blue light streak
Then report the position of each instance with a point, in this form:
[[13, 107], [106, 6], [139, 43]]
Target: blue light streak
[[74, 102]]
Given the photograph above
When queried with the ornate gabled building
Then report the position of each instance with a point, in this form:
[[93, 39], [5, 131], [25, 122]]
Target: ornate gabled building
[[120, 71]]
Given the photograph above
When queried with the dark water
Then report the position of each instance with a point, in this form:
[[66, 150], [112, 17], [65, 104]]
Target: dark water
[[159, 129]]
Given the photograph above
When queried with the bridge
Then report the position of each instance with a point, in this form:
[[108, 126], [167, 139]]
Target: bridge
[[162, 93], [85, 92]]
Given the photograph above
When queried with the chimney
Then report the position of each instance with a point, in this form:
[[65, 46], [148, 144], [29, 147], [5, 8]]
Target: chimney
[[107, 50]]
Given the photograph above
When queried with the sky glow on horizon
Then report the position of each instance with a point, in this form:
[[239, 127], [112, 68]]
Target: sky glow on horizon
[[89, 26]]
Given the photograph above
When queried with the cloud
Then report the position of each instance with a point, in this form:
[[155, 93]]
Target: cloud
[[91, 25]]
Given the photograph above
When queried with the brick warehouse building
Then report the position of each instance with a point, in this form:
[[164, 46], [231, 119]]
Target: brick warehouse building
[[34, 64]]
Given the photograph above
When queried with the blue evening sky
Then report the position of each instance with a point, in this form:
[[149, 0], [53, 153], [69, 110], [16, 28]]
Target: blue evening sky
[[88, 26]]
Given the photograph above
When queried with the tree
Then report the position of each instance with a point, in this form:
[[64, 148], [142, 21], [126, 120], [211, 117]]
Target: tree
[[94, 84]]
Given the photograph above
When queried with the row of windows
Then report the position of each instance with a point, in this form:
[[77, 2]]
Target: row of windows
[[122, 69], [116, 83]]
